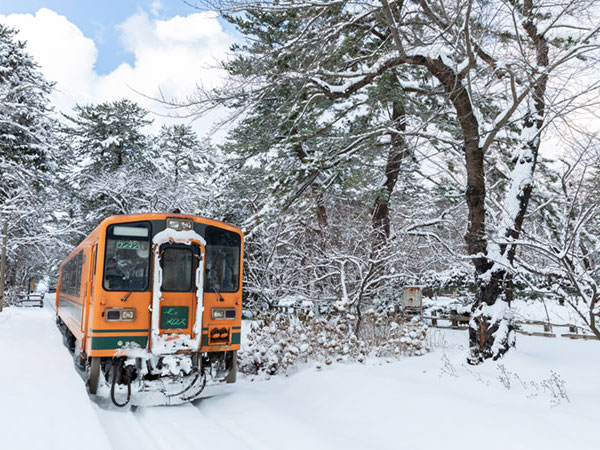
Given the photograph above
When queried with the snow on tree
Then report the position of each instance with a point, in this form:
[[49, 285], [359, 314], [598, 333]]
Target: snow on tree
[[186, 171], [26, 156], [110, 159], [562, 255], [490, 65]]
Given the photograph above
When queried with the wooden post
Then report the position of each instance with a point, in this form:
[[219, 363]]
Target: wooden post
[[3, 260], [433, 318]]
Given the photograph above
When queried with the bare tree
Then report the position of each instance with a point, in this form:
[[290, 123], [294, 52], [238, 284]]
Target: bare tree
[[567, 251]]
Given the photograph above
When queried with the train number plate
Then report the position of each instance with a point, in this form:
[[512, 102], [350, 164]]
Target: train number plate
[[128, 244], [174, 317]]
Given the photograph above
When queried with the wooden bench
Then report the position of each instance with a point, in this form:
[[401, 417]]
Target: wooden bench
[[32, 299]]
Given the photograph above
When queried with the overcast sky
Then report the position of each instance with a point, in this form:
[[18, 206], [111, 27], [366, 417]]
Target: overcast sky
[[102, 50]]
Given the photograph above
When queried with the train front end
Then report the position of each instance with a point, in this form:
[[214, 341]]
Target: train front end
[[165, 320]]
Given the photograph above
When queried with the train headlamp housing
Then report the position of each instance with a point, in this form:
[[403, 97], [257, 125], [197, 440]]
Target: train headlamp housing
[[180, 224], [223, 314], [120, 315]]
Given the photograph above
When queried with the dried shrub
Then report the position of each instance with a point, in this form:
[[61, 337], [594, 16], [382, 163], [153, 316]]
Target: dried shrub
[[281, 342]]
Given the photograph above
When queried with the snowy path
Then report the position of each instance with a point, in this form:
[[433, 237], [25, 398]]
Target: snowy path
[[431, 402], [43, 401]]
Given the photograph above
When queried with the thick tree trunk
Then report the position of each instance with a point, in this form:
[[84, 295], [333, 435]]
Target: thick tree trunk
[[321, 209], [491, 328], [491, 331], [380, 218]]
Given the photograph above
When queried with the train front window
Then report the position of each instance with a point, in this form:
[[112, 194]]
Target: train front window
[[222, 266], [127, 257], [177, 265]]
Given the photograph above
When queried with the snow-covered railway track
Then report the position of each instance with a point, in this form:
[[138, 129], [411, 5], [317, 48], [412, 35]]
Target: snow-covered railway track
[[167, 427], [230, 427], [50, 302], [185, 426]]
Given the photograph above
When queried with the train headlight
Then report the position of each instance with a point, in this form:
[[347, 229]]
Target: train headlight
[[120, 315], [128, 314], [180, 224], [174, 224], [223, 314]]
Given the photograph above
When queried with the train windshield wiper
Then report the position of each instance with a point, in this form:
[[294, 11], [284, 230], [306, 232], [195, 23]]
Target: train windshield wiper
[[221, 299]]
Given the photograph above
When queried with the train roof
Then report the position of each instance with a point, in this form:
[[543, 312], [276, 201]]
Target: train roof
[[162, 216], [149, 216]]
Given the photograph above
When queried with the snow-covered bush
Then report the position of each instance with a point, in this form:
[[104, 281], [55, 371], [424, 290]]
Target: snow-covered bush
[[11, 296], [280, 342]]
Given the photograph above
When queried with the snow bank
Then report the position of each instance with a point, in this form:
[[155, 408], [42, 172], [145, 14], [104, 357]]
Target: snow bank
[[435, 401], [44, 402]]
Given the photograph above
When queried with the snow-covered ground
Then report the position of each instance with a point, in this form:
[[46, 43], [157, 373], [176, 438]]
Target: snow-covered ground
[[43, 400], [543, 395]]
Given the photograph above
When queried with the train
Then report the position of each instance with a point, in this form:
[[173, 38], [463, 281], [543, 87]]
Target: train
[[151, 307]]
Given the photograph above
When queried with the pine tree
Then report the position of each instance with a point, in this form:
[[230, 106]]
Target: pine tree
[[110, 159], [186, 170], [26, 157], [311, 63]]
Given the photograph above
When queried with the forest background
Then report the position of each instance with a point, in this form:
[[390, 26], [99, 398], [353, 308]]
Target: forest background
[[372, 145]]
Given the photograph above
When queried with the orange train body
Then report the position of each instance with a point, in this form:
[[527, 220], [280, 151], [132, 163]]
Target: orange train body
[[164, 284]]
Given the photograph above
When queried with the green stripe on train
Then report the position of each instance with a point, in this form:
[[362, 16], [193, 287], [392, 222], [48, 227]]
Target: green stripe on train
[[115, 342]]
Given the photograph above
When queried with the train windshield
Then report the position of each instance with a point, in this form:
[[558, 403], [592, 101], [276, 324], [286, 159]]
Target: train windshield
[[222, 266], [177, 266], [127, 257]]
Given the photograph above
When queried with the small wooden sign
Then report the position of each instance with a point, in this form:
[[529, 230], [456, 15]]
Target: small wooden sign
[[412, 298]]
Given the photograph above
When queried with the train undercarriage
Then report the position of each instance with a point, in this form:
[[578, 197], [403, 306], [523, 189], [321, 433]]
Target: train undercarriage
[[138, 377]]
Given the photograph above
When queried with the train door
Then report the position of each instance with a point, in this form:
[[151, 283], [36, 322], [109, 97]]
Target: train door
[[89, 288], [178, 276]]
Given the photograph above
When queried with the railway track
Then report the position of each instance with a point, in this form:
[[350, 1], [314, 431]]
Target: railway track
[[168, 427]]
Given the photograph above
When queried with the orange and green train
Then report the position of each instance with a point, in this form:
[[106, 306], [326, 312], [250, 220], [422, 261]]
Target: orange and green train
[[151, 305]]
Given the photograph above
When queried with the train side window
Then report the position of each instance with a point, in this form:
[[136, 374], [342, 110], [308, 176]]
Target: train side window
[[222, 266], [71, 275]]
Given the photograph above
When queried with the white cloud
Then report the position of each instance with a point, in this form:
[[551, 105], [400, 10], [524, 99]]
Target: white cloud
[[156, 7], [171, 56]]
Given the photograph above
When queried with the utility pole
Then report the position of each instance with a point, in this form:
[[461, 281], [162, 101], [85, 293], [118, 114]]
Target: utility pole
[[3, 259]]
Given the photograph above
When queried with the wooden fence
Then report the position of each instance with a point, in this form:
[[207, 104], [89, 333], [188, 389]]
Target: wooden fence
[[461, 323]]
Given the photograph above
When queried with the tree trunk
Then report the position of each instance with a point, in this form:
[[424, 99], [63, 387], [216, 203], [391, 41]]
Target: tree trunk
[[315, 187], [491, 329], [380, 218]]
